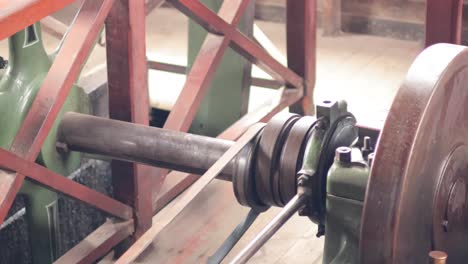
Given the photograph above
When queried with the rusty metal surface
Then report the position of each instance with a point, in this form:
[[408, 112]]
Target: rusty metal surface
[[53, 92], [301, 37], [421, 155], [443, 21], [129, 101], [16, 15], [103, 239], [175, 209]]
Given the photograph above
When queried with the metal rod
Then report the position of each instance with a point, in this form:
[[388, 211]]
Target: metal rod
[[149, 145], [168, 214], [286, 213]]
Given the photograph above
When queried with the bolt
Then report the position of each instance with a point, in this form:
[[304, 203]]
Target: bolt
[[366, 146], [367, 142], [343, 154], [438, 257], [445, 225], [302, 181], [61, 148], [370, 158]]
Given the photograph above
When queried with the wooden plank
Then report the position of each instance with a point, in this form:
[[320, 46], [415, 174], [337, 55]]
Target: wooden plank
[[98, 243], [239, 42], [129, 101], [16, 15], [57, 182], [203, 70], [53, 93], [443, 21], [172, 211], [200, 76], [180, 181], [301, 48]]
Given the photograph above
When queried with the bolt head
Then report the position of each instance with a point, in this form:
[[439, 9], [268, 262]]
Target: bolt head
[[343, 154], [61, 148]]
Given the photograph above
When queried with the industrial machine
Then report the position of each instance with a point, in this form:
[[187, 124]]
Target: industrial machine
[[395, 194], [395, 202], [19, 85]]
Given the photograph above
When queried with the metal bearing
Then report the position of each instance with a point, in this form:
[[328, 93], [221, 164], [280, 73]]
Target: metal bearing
[[268, 155], [291, 160], [244, 178]]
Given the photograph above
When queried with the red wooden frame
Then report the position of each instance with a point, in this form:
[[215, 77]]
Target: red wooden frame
[[443, 21], [135, 200]]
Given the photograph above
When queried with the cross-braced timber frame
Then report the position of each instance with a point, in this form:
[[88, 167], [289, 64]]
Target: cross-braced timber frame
[[137, 195]]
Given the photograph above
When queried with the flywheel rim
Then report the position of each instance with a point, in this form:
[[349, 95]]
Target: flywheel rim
[[390, 231]]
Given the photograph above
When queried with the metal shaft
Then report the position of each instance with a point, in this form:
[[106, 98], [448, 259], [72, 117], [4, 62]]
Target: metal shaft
[[286, 213], [149, 145]]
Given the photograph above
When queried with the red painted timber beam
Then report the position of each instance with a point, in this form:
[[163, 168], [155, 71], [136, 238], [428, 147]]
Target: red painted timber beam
[[53, 93]]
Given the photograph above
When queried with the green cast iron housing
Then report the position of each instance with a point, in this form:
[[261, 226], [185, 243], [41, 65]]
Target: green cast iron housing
[[346, 188], [227, 97], [19, 85]]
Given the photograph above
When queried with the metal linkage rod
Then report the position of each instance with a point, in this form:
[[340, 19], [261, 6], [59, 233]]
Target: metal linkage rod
[[286, 213], [149, 145]]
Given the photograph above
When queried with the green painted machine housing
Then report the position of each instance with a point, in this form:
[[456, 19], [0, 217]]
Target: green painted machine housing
[[226, 100], [20, 82], [28, 65], [346, 188]]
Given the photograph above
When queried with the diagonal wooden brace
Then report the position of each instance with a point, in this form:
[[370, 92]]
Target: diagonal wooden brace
[[53, 93], [239, 42]]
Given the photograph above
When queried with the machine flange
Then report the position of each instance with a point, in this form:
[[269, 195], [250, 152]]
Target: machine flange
[[416, 196]]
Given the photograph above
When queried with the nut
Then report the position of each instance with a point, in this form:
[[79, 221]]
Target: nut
[[343, 154]]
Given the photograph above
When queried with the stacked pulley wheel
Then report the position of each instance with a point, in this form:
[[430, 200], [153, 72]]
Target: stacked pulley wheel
[[265, 171]]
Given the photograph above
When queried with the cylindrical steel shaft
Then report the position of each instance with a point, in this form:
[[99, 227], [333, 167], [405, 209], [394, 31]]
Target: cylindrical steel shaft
[[132, 142], [286, 213]]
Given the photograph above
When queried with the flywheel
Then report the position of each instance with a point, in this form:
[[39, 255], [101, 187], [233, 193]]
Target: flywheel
[[416, 199]]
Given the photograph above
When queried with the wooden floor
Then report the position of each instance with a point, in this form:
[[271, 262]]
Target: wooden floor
[[366, 71]]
